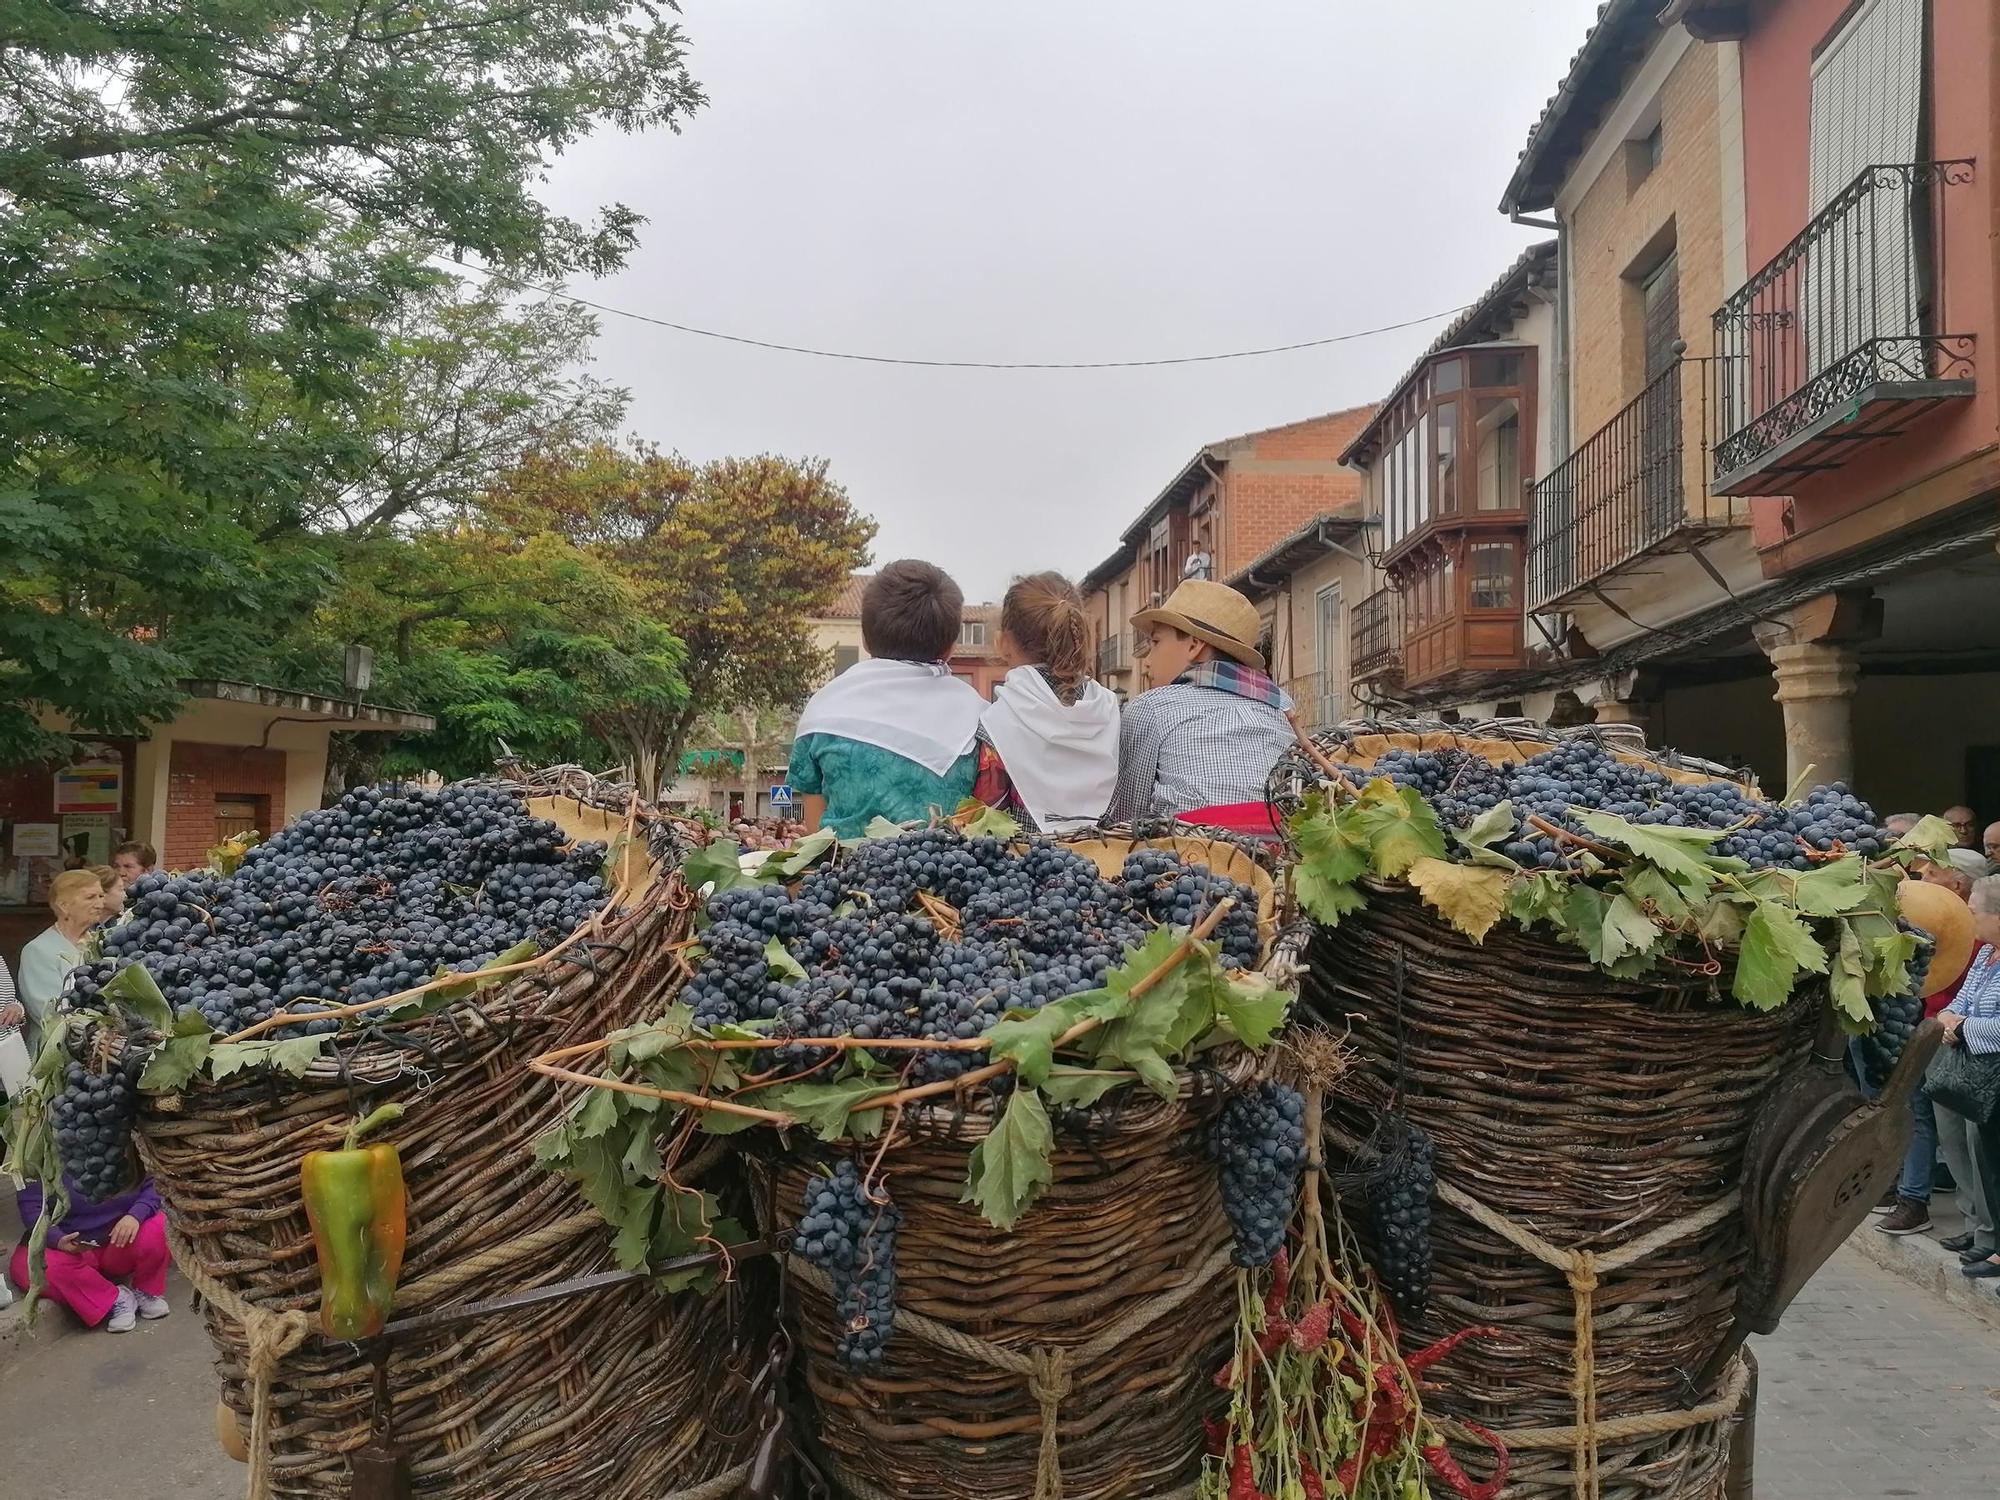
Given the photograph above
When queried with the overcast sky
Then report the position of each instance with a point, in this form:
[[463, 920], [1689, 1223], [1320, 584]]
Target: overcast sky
[[1055, 180]]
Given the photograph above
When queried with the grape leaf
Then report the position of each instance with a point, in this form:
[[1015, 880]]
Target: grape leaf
[[180, 1057], [1848, 981], [1888, 959], [1254, 1012], [633, 1244], [1141, 1029], [1931, 837], [134, 989], [1335, 852], [1470, 897], [1677, 851], [1832, 888], [1776, 945], [831, 1110], [1400, 826], [1028, 1038], [720, 864], [1010, 1167], [880, 827], [642, 1154], [291, 1057], [1537, 897], [1609, 929], [1489, 828], [1322, 899], [1079, 1088], [805, 851], [781, 962], [639, 1043], [1720, 922], [1646, 885], [596, 1115], [552, 1147], [977, 820]]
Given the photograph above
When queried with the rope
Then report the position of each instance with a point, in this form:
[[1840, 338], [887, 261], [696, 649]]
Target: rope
[[530, 1246], [271, 1337], [1583, 1269], [1048, 1371]]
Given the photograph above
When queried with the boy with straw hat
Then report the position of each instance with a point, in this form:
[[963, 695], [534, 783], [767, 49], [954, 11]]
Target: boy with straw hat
[[1214, 723]]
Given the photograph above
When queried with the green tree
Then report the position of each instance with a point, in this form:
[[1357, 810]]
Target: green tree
[[216, 216], [734, 557]]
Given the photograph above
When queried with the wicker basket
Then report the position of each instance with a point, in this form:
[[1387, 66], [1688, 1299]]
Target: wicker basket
[[1130, 1232], [1592, 1113], [1085, 1338], [614, 1393]]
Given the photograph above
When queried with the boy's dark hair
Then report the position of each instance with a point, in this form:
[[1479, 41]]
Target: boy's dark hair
[[910, 612]]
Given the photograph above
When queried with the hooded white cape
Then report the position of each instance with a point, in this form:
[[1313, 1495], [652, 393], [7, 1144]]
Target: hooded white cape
[[916, 709], [1061, 757]]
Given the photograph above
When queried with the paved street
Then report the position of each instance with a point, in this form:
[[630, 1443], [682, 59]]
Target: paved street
[[1871, 1391]]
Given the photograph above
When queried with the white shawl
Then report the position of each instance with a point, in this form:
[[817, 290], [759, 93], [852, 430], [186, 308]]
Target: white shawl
[[1061, 757], [916, 709]]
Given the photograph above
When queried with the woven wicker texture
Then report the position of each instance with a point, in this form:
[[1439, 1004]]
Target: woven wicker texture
[[616, 1393], [1132, 1218], [1589, 1110], [1133, 1212]]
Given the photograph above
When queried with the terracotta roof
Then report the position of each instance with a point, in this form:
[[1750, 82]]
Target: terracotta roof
[[848, 605], [1615, 43], [1479, 323]]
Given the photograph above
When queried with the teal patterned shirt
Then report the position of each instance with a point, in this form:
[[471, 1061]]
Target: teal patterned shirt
[[864, 782]]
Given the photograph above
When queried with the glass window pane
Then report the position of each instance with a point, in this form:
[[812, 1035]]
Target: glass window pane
[[1444, 454], [1496, 369], [1492, 565], [1447, 377], [1499, 419]]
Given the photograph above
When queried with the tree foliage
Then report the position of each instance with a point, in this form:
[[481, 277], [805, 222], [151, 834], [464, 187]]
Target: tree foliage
[[219, 224], [734, 557]]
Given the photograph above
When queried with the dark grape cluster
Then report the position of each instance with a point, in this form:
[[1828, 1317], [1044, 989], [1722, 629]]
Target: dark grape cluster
[[92, 1119], [1580, 774], [358, 901], [849, 1230], [1399, 1215], [1260, 1149], [1174, 892], [878, 962], [1897, 1018]]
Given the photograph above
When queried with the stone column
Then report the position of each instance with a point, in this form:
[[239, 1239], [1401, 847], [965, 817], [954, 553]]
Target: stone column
[[1816, 682], [1815, 656]]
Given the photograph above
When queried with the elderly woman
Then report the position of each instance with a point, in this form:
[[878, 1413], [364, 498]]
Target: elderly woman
[[77, 899]]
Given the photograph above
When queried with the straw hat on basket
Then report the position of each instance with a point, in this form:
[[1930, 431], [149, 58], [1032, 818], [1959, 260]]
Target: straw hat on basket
[[1213, 613]]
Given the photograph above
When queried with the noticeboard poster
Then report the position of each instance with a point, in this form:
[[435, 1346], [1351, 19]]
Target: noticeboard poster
[[93, 783], [86, 837]]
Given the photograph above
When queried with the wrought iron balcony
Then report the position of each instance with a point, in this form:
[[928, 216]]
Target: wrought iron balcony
[[1113, 654], [1637, 486], [1845, 336], [1374, 634]]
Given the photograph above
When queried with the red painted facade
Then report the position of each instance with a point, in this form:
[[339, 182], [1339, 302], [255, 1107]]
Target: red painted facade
[[1945, 457]]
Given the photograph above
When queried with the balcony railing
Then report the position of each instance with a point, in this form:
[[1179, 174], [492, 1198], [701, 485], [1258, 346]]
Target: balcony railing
[[1375, 634], [1637, 486], [1113, 654], [1835, 342]]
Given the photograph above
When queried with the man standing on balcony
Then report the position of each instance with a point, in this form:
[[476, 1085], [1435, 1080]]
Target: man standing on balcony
[[1213, 723]]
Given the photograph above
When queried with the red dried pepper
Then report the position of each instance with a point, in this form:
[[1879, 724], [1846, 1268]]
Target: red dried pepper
[[1423, 1359], [1310, 1481], [1217, 1432], [1447, 1468], [1311, 1330], [1281, 1283], [1243, 1475]]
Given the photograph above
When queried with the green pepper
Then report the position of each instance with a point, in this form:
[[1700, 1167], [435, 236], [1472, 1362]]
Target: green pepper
[[354, 1199]]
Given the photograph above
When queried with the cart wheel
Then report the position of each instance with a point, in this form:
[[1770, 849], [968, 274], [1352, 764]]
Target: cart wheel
[[229, 1433]]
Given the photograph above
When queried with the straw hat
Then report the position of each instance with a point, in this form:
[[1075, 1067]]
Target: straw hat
[[1214, 613], [1948, 921]]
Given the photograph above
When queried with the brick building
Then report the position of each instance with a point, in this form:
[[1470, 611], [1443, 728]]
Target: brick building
[[1227, 506], [238, 756]]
